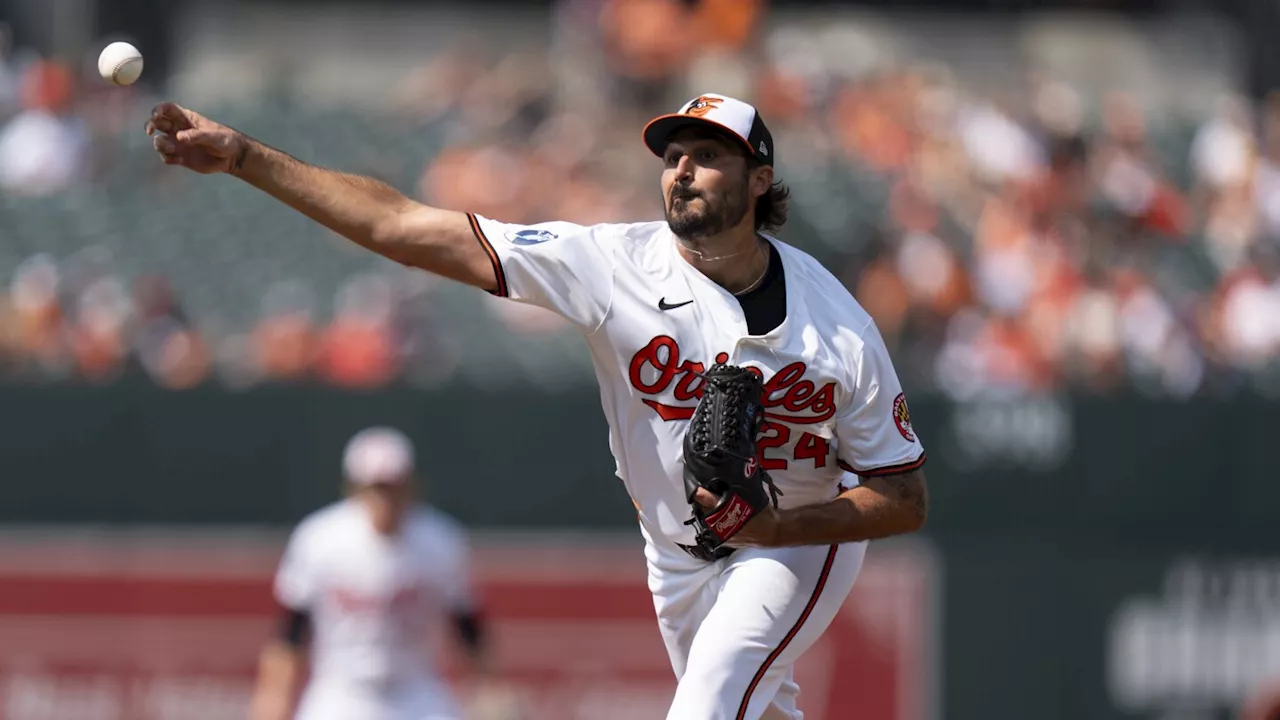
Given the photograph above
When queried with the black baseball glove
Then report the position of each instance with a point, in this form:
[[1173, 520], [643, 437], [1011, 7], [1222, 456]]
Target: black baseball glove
[[720, 455]]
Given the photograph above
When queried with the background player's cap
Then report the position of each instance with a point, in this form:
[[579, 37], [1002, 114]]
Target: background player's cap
[[731, 117], [378, 455]]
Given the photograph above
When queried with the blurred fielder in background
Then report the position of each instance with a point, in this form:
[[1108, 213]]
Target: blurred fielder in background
[[364, 582]]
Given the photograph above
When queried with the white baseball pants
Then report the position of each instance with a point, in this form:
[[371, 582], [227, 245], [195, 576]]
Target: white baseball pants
[[735, 627]]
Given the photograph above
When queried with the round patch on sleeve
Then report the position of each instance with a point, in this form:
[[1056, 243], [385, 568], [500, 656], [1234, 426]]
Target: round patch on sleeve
[[902, 417], [530, 236]]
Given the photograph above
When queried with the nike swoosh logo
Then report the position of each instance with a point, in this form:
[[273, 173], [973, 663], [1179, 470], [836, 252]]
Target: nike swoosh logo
[[664, 305]]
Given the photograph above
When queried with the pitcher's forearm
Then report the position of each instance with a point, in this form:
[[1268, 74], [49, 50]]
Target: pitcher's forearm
[[878, 508], [366, 211], [351, 205], [371, 214]]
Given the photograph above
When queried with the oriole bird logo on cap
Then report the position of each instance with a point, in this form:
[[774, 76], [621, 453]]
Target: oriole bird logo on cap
[[702, 105]]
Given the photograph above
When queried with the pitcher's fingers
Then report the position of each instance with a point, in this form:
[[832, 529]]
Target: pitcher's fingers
[[190, 118], [164, 144], [169, 118], [168, 154], [201, 136], [163, 124]]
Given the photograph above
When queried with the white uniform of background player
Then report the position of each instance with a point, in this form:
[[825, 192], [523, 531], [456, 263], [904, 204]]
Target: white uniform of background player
[[377, 577], [654, 308], [733, 627]]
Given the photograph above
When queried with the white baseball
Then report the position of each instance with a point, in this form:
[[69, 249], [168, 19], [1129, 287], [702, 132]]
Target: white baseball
[[120, 63]]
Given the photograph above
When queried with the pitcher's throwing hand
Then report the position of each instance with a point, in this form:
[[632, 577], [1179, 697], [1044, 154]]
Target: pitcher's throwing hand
[[187, 138]]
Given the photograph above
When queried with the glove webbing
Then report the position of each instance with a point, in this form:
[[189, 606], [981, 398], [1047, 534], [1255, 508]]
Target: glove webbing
[[730, 411]]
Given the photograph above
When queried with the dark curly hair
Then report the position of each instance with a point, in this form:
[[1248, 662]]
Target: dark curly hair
[[771, 207]]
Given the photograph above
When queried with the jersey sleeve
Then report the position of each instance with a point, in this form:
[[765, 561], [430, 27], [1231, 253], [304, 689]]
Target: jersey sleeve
[[873, 432], [559, 266], [296, 581]]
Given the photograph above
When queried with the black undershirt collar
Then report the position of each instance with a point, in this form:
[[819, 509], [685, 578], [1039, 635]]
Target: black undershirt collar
[[765, 307]]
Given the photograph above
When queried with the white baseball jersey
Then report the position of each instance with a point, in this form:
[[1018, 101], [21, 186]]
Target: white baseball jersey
[[833, 401], [375, 603]]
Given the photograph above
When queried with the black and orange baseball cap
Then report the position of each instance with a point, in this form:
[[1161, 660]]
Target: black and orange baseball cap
[[729, 116]]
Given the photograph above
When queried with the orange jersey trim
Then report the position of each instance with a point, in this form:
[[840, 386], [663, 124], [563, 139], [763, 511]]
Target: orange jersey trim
[[886, 470], [499, 276]]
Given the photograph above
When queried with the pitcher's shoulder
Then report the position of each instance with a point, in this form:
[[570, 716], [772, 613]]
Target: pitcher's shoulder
[[818, 282], [639, 233], [614, 236], [640, 245]]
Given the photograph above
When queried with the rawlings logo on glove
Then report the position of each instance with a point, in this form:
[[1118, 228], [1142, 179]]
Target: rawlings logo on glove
[[720, 456], [729, 520]]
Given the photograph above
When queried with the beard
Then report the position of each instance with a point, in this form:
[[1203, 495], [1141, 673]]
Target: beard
[[694, 215]]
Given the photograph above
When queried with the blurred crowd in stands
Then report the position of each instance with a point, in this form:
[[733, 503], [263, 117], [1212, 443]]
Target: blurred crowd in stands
[[81, 321], [1028, 241]]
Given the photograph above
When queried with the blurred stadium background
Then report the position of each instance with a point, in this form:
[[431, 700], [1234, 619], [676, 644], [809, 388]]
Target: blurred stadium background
[[1064, 215]]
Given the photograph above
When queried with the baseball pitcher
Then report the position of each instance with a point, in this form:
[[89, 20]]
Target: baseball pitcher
[[755, 416]]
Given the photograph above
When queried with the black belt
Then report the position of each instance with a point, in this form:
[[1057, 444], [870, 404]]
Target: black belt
[[702, 553]]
